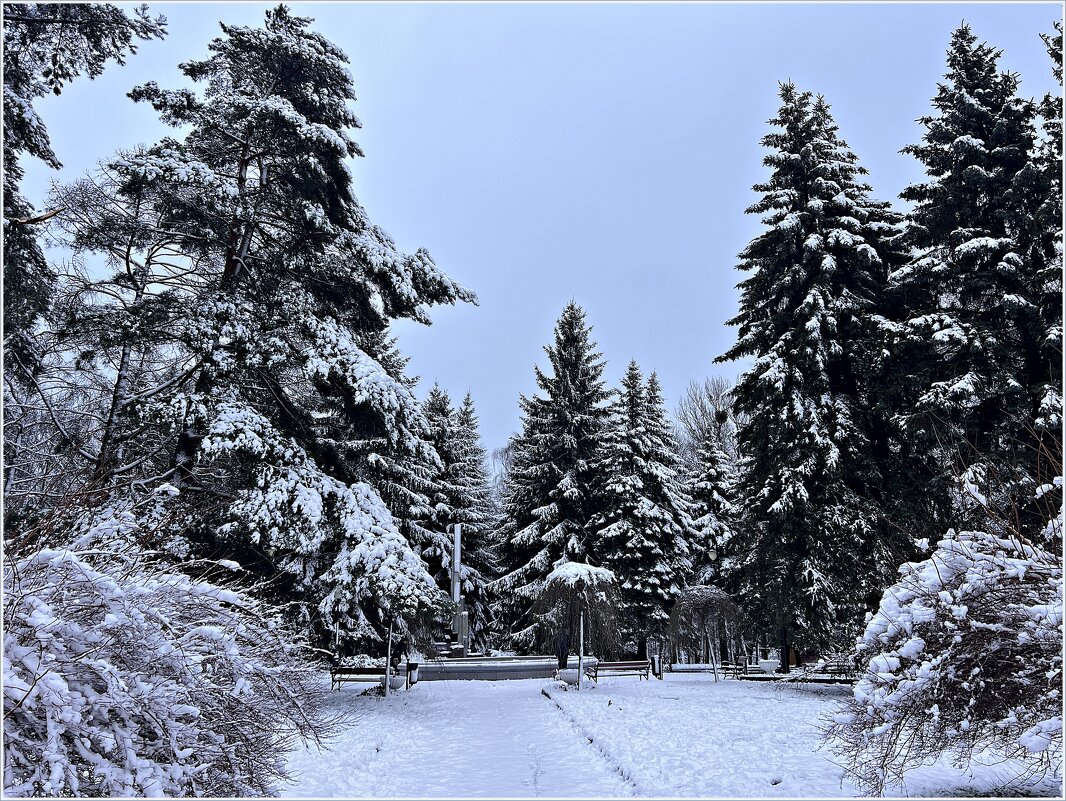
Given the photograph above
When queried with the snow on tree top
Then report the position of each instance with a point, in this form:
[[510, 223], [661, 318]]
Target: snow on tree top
[[571, 573]]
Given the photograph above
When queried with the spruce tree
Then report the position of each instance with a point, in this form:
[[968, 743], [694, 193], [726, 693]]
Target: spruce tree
[[436, 548], [814, 544], [463, 497], [477, 513], [549, 499], [710, 487], [1047, 251], [981, 338], [644, 527]]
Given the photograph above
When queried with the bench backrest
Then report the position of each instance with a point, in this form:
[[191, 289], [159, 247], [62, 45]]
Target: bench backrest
[[624, 665]]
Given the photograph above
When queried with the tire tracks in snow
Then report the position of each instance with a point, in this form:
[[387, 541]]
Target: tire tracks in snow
[[594, 745]]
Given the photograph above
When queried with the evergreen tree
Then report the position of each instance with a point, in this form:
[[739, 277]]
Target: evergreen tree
[[478, 515], [283, 394], [463, 497], [436, 550], [983, 343], [549, 497], [710, 487], [46, 45], [644, 527], [814, 544], [1047, 236]]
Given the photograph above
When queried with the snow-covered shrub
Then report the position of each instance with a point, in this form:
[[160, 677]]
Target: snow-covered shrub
[[964, 655], [125, 678]]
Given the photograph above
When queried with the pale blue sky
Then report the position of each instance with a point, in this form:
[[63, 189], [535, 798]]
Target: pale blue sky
[[600, 152]]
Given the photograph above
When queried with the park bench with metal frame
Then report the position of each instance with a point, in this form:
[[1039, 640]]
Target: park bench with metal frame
[[339, 674], [640, 668]]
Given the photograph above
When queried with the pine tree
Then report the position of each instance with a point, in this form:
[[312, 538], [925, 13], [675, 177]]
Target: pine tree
[[282, 393], [814, 543], [644, 528], [47, 45], [549, 497], [983, 346]]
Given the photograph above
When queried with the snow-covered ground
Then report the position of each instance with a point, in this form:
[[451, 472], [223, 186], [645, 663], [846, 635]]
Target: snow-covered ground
[[684, 736]]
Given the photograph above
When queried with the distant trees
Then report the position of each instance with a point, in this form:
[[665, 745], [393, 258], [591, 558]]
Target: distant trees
[[549, 500], [643, 529], [708, 422], [706, 410], [463, 497], [596, 477]]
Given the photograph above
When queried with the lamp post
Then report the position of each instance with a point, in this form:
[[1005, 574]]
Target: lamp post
[[460, 625], [388, 656], [580, 586]]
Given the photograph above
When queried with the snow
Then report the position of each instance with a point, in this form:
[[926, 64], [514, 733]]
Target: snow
[[571, 573], [454, 738], [684, 736]]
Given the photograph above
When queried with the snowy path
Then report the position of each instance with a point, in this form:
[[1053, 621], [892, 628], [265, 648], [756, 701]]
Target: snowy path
[[456, 738], [685, 736]]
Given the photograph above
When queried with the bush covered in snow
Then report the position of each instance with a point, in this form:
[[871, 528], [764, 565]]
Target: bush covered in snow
[[125, 678], [964, 655]]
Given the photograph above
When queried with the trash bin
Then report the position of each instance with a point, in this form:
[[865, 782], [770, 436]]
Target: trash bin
[[657, 666]]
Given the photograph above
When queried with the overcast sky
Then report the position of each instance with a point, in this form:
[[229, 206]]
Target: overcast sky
[[598, 152]]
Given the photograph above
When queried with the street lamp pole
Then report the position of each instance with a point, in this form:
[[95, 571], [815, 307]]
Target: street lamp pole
[[581, 645]]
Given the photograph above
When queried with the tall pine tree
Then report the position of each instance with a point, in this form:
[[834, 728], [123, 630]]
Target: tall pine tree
[[294, 441], [549, 497], [814, 544]]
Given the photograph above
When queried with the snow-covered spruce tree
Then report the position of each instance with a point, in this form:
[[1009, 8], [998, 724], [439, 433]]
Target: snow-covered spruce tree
[[462, 496], [285, 408], [643, 528], [710, 487], [479, 517], [47, 45], [437, 552], [1047, 239], [124, 677], [964, 655], [980, 340], [814, 543], [549, 498]]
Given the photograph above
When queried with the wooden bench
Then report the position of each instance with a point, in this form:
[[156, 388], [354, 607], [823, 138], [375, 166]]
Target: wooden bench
[[641, 668], [339, 674]]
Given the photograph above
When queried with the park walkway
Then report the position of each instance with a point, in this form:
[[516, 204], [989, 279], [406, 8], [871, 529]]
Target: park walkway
[[455, 738]]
